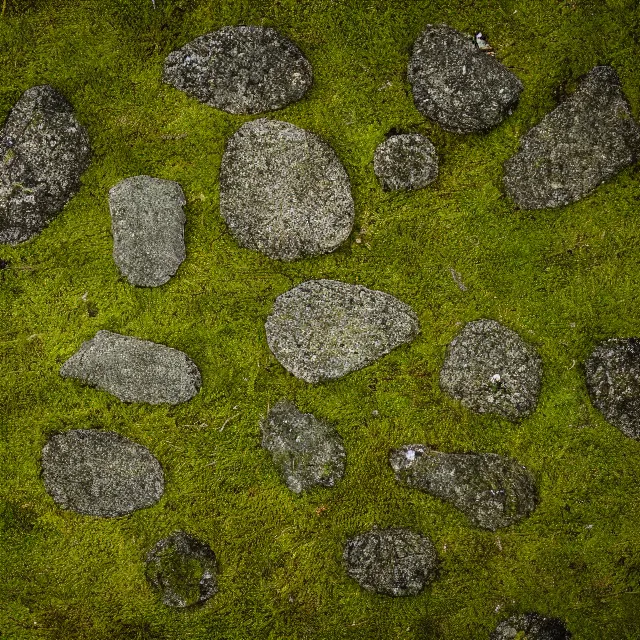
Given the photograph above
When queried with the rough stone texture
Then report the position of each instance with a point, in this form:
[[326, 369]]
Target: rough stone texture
[[100, 473], [491, 490], [460, 87], [240, 70], [43, 152], [490, 369], [324, 329], [394, 562], [183, 570], [134, 370], [147, 223], [283, 191], [582, 143], [406, 161], [531, 626], [308, 452]]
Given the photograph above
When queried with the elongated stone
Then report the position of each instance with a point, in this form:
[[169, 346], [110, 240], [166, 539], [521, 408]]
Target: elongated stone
[[531, 626]]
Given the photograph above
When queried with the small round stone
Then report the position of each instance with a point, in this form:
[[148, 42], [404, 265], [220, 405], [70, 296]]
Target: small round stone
[[531, 626], [405, 162]]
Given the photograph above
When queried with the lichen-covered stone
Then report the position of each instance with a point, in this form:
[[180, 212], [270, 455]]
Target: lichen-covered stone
[[460, 87], [240, 70], [147, 223], [134, 370], [531, 626], [100, 473], [582, 143], [43, 152], [405, 161], [283, 191], [491, 490], [394, 562], [490, 369], [307, 451], [325, 329]]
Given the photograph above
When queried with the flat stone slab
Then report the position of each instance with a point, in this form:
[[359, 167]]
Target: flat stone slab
[[531, 626], [582, 143], [456, 84], [491, 490], [284, 192], [491, 369], [100, 473], [134, 370], [405, 162], [394, 562], [147, 223], [183, 570], [308, 452], [43, 152], [240, 70], [325, 329]]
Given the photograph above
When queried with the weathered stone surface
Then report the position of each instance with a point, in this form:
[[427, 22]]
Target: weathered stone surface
[[242, 69], [307, 451], [147, 223], [100, 473], [531, 626], [460, 87], [491, 490], [182, 569], [394, 562], [283, 191], [582, 143], [43, 152], [325, 329], [134, 370], [490, 369], [406, 161]]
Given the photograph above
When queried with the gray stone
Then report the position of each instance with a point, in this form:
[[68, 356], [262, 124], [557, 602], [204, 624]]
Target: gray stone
[[582, 143], [490, 369], [183, 570], [307, 451], [100, 473], [134, 370], [147, 223], [406, 161], [394, 562], [531, 626], [324, 329], [240, 70], [43, 152], [456, 84], [491, 490], [284, 192]]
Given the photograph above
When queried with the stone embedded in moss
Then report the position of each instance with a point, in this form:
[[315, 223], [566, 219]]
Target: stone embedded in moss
[[531, 626], [405, 161]]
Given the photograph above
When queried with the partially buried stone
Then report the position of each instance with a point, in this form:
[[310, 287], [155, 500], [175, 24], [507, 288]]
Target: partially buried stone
[[582, 143], [491, 490], [43, 152], [307, 451], [284, 192], [325, 329], [100, 473], [406, 161], [531, 626], [240, 70], [134, 370]]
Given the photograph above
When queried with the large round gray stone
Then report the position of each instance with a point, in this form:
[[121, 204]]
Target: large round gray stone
[[405, 161], [324, 329], [240, 70], [100, 473], [284, 192], [531, 626], [43, 152]]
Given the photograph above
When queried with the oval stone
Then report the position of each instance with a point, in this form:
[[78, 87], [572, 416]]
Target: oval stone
[[531, 626], [406, 161]]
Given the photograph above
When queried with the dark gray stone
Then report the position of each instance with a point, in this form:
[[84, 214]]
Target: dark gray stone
[[394, 562], [43, 152], [240, 70], [284, 192], [307, 451], [582, 143], [325, 329], [183, 570], [134, 370], [460, 87], [531, 626], [490, 369], [100, 473], [147, 223], [491, 490], [406, 161]]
